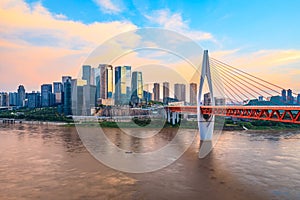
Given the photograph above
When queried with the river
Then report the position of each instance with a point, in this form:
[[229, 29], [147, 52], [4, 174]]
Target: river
[[50, 162]]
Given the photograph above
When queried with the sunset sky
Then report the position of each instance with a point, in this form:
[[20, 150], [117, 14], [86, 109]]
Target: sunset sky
[[42, 40]]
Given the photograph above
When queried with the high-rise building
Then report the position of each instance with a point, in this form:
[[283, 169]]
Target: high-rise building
[[33, 100], [74, 96], [46, 95], [283, 96], [156, 92], [58, 92], [122, 85], [137, 87], [79, 100], [207, 99], [21, 95], [179, 92], [57, 87], [166, 90], [65, 78], [78, 97], [193, 93], [93, 81], [290, 98], [67, 97], [4, 99], [13, 98], [220, 101], [298, 99], [89, 92], [105, 81], [86, 73], [147, 96]]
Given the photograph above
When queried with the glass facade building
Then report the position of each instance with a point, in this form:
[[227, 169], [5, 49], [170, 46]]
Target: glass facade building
[[122, 84]]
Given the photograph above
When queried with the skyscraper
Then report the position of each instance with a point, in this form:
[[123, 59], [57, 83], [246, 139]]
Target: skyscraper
[[147, 96], [137, 87], [67, 97], [89, 92], [58, 92], [298, 99], [33, 100], [105, 81], [180, 92], [93, 81], [57, 87], [13, 98], [74, 96], [166, 90], [283, 96], [86, 73], [207, 99], [193, 93], [46, 95], [64, 79], [290, 98], [4, 99], [122, 84], [156, 92], [77, 96], [21, 95]]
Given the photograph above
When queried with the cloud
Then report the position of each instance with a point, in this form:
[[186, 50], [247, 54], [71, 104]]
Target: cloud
[[108, 6], [37, 46], [174, 21], [264, 59], [36, 25]]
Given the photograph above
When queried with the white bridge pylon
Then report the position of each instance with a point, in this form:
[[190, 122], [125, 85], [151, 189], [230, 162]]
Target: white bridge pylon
[[205, 123]]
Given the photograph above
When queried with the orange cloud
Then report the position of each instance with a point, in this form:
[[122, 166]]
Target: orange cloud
[[38, 46]]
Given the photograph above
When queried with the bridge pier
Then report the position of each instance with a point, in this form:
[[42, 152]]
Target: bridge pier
[[177, 118], [168, 116], [174, 118], [206, 129], [205, 123]]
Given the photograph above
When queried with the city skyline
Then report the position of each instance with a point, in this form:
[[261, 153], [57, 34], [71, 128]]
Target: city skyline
[[95, 80], [61, 39]]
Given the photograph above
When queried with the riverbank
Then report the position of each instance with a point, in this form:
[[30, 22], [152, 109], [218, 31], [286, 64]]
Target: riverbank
[[159, 124], [21, 121]]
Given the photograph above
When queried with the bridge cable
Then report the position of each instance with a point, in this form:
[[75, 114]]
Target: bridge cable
[[240, 72], [231, 76], [227, 82], [219, 86], [228, 77]]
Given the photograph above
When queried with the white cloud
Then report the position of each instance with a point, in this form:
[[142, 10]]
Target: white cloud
[[174, 21], [108, 6], [35, 41]]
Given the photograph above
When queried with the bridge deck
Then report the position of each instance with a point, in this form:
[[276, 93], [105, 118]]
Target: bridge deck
[[288, 114]]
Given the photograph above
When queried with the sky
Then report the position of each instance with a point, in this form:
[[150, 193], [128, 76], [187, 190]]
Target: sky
[[42, 40]]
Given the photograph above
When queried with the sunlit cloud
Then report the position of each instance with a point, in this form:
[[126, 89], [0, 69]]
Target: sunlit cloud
[[38, 46], [108, 6], [174, 21]]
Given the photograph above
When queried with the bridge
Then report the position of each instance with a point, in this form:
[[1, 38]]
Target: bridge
[[230, 94]]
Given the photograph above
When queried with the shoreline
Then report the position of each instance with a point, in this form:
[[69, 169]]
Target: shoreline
[[128, 125], [20, 121]]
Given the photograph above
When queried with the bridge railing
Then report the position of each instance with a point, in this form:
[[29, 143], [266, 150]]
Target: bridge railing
[[287, 114]]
